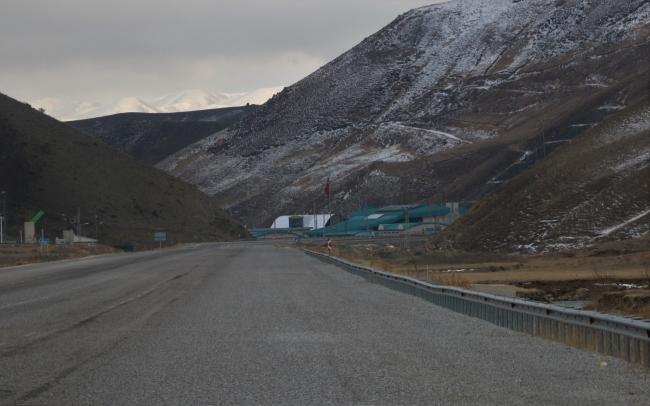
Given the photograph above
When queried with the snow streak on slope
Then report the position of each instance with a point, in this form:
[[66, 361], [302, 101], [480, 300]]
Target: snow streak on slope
[[608, 231]]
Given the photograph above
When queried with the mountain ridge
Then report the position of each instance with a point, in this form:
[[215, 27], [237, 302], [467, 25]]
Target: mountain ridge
[[183, 101], [150, 137], [447, 102]]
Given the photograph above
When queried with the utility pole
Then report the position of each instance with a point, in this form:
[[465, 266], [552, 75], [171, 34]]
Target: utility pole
[[96, 228], [406, 225], [3, 216], [79, 221]]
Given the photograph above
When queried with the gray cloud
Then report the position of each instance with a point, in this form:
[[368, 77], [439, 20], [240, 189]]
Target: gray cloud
[[97, 50]]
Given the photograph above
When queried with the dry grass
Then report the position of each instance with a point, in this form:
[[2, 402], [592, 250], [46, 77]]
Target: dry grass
[[449, 280], [601, 263], [11, 255], [508, 274], [556, 277], [625, 302]]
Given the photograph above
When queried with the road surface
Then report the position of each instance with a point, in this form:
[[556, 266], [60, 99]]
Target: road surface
[[257, 324]]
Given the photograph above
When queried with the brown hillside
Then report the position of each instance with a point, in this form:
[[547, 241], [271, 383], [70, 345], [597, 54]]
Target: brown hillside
[[594, 188], [45, 164]]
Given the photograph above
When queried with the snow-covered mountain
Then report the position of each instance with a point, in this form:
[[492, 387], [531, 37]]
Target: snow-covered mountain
[[195, 99], [448, 102], [186, 100]]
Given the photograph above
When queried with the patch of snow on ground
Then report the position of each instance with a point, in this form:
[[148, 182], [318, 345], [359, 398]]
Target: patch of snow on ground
[[608, 231], [474, 134], [611, 107], [596, 80], [635, 161], [345, 162], [422, 141], [631, 125], [521, 159], [623, 285], [436, 132], [625, 26]]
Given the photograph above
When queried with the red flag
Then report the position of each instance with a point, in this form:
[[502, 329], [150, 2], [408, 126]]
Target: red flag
[[327, 187]]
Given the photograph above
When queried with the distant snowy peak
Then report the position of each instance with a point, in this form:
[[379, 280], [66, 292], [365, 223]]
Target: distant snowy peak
[[191, 100], [132, 104], [186, 100]]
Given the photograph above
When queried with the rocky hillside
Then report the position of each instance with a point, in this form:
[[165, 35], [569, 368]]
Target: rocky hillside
[[594, 188], [150, 137], [45, 164], [448, 102]]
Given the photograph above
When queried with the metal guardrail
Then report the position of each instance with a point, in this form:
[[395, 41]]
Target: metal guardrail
[[616, 336], [341, 240]]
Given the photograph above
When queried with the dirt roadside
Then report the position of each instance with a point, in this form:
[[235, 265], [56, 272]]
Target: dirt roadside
[[610, 276], [20, 254]]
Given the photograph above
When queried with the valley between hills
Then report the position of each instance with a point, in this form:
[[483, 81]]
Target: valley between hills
[[535, 115]]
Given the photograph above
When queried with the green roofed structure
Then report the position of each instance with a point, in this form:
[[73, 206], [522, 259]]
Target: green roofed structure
[[412, 219]]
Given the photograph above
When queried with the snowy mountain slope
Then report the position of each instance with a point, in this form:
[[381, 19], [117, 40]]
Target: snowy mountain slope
[[448, 101]]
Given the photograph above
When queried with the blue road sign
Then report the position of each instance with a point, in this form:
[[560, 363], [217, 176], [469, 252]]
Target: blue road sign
[[44, 241]]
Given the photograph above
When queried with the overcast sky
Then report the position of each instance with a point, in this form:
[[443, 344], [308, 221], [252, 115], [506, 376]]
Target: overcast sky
[[100, 50]]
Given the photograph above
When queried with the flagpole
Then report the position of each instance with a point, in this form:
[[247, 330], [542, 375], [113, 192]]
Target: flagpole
[[329, 197]]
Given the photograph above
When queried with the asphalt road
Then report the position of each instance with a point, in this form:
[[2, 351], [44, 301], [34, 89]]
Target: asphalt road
[[255, 324]]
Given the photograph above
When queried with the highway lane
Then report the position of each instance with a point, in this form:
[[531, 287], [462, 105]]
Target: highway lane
[[257, 324]]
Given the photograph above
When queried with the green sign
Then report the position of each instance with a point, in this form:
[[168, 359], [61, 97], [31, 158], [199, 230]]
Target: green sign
[[37, 216]]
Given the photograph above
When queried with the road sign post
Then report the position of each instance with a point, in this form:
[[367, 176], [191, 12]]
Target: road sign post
[[160, 236], [44, 242]]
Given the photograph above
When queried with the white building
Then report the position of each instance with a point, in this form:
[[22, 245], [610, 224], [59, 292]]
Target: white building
[[311, 221]]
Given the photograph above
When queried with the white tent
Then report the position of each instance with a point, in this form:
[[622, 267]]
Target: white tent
[[308, 221]]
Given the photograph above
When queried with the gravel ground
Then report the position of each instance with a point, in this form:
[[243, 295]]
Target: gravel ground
[[255, 324]]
